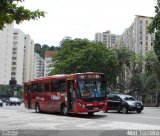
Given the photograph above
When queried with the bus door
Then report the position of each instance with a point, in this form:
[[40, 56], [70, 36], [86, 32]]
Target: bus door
[[70, 94], [29, 96], [46, 95]]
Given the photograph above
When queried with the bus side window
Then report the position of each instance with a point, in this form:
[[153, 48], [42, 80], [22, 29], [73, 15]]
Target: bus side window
[[61, 85], [34, 87], [39, 87], [54, 86], [46, 86]]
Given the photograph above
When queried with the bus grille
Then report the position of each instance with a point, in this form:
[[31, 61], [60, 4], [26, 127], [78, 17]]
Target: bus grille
[[94, 107]]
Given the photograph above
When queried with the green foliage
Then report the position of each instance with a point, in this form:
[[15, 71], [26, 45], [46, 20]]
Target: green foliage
[[41, 49], [150, 62], [9, 12], [81, 55], [143, 84], [137, 64], [155, 27], [4, 90], [124, 59]]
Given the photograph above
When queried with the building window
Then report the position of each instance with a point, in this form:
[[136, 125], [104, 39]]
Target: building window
[[13, 68], [13, 73], [14, 53], [13, 63], [15, 37], [146, 49], [14, 49], [14, 58]]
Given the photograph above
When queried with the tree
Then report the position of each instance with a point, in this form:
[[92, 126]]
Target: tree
[[144, 84], [124, 59], [10, 11], [81, 55], [41, 49], [155, 27], [150, 62]]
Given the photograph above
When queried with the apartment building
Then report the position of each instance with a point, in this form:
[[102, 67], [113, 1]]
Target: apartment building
[[136, 37], [38, 68], [28, 58], [48, 61], [17, 56], [106, 38], [6, 42]]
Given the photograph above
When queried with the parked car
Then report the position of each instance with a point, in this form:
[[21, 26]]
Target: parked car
[[1, 103], [13, 101], [124, 103]]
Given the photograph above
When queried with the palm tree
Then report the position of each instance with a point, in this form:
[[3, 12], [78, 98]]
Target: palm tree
[[143, 84], [124, 60]]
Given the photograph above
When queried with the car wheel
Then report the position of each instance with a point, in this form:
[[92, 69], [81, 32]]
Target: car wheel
[[124, 110], [64, 110], [138, 111], [37, 108]]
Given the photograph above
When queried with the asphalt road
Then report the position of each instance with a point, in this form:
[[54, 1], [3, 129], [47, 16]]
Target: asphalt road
[[24, 121]]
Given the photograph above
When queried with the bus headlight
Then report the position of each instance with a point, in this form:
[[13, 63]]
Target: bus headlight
[[79, 104], [83, 106]]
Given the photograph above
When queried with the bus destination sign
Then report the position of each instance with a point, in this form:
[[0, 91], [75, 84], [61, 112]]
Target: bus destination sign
[[90, 76]]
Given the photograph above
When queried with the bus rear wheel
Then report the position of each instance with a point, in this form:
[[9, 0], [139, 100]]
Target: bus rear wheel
[[37, 108], [90, 113], [64, 110]]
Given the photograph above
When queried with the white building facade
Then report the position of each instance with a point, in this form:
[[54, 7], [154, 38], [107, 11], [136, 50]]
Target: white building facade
[[6, 42], [48, 61], [17, 56], [28, 58], [106, 38], [38, 67], [136, 37]]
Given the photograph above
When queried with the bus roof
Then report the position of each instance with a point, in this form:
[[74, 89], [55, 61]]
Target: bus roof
[[61, 76]]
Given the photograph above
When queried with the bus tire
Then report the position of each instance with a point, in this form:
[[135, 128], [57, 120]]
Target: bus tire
[[64, 110], [90, 113], [37, 108]]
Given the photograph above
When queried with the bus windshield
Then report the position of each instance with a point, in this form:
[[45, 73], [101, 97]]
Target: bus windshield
[[91, 88]]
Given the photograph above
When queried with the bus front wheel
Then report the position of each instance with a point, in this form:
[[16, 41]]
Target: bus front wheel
[[37, 108], [64, 110]]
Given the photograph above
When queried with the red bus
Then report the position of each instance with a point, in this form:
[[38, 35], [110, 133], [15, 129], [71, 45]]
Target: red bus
[[67, 93]]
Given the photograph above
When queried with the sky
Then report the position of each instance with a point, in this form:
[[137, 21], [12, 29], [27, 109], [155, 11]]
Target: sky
[[82, 18]]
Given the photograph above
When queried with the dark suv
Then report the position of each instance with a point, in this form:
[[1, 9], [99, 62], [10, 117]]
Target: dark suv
[[124, 103]]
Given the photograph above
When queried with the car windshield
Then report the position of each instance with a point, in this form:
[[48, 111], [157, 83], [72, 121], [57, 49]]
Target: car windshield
[[128, 98], [91, 88]]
